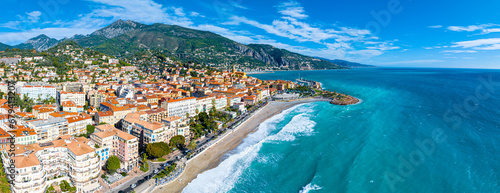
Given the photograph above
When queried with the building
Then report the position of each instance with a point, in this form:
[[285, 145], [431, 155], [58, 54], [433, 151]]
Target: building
[[97, 98], [68, 158], [119, 113], [70, 106], [111, 141], [5, 139], [178, 124], [220, 102], [249, 100], [204, 104], [24, 135], [146, 132], [73, 87], [104, 117], [77, 97], [42, 113], [37, 92], [77, 125], [231, 100], [156, 115], [180, 107], [49, 129]]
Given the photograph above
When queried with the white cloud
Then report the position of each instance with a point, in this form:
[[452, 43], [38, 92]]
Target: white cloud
[[27, 20], [233, 35], [58, 33], [145, 11], [179, 11], [414, 62], [459, 51], [332, 42], [195, 14], [480, 44], [292, 9], [484, 28], [435, 26], [34, 16]]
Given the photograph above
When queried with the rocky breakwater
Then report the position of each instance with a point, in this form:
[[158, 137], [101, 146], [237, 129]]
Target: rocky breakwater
[[343, 99]]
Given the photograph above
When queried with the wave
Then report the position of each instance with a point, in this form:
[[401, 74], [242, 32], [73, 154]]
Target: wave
[[300, 125], [309, 187], [228, 172]]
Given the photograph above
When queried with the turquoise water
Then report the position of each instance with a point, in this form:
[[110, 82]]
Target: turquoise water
[[417, 130]]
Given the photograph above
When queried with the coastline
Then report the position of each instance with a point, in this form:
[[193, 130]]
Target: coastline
[[211, 157]]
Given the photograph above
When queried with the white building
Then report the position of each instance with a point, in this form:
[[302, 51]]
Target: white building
[[44, 92], [179, 125], [77, 97], [180, 107], [49, 129], [204, 104], [68, 158], [78, 124]]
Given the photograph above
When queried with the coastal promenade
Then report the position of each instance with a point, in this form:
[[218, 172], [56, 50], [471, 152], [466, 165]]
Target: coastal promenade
[[211, 156]]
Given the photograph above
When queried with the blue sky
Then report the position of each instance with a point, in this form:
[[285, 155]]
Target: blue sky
[[395, 33]]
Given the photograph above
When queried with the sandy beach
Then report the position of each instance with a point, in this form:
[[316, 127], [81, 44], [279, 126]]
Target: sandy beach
[[211, 157]]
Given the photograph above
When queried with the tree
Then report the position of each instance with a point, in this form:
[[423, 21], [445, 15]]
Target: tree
[[177, 141], [90, 129], [157, 149], [192, 145], [113, 163], [51, 189]]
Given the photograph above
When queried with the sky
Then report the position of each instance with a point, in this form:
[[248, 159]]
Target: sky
[[391, 33]]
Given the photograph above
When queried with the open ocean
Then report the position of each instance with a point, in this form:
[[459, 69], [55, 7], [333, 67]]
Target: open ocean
[[417, 130]]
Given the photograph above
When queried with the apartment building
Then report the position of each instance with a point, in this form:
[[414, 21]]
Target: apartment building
[[119, 113], [96, 98], [49, 129], [24, 135], [5, 139], [77, 97], [156, 115], [36, 92], [205, 103], [104, 117], [180, 107], [231, 100], [78, 124], [220, 102], [68, 158], [178, 125], [70, 106], [111, 141], [146, 132]]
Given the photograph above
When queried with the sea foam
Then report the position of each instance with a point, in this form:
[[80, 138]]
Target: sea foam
[[309, 187]]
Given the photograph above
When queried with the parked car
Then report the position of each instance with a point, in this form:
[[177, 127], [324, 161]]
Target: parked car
[[133, 186]]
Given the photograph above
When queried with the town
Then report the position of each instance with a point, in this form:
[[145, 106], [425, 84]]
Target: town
[[88, 122]]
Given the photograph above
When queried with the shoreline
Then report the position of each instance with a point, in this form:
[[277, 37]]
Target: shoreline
[[212, 157]]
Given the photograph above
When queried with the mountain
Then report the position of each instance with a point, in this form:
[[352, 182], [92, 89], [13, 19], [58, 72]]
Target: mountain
[[194, 45], [41, 42], [117, 28], [3, 46], [348, 64], [282, 57], [64, 44], [126, 38]]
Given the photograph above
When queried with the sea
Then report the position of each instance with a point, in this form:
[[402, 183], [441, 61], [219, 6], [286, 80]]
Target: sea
[[416, 130]]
